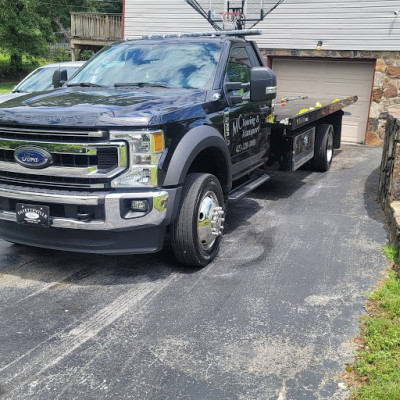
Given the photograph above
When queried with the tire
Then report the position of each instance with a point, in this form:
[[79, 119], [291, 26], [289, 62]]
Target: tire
[[196, 233], [323, 148]]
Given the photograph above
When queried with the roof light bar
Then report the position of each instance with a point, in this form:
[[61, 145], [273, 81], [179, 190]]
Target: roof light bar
[[244, 32]]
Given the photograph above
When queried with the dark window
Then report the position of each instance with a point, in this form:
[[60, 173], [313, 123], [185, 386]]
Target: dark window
[[238, 69]]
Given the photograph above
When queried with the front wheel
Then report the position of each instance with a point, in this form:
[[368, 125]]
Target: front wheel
[[196, 233], [323, 150]]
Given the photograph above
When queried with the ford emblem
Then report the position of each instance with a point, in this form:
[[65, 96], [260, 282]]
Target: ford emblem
[[32, 157]]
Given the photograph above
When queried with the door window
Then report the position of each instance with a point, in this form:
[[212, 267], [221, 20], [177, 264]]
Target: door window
[[238, 70]]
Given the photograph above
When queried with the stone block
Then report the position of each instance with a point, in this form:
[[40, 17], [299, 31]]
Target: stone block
[[389, 54], [393, 71], [383, 106], [373, 124], [390, 92], [379, 79], [374, 110], [372, 139], [328, 53], [395, 206], [346, 54], [377, 94], [380, 65], [366, 54], [387, 82], [394, 101], [282, 53], [394, 110]]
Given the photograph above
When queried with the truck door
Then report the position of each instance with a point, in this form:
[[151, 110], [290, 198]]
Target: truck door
[[245, 127]]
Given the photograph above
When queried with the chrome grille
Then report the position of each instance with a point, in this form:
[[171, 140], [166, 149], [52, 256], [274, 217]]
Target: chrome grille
[[106, 158], [90, 163], [60, 135]]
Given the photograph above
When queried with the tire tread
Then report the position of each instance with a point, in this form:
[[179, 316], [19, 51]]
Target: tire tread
[[319, 162], [182, 232]]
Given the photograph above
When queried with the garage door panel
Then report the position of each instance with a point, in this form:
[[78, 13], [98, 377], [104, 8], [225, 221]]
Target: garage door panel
[[355, 112], [363, 92], [327, 79], [330, 69], [350, 130], [302, 86]]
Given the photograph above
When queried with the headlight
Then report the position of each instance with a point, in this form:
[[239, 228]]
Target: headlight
[[145, 153]]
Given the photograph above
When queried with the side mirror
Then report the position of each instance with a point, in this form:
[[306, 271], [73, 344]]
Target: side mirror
[[233, 86], [59, 78], [262, 84]]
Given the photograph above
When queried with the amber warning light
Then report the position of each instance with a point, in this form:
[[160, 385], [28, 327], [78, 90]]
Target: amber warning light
[[158, 141]]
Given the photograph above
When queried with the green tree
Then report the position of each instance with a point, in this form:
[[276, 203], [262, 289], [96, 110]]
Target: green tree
[[27, 27], [24, 30]]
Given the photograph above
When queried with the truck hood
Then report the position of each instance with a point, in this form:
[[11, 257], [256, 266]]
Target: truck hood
[[88, 107], [8, 96]]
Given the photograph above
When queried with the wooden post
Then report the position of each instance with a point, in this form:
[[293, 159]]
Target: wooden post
[[107, 28], [72, 25]]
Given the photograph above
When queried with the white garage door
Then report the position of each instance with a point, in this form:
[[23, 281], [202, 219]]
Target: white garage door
[[330, 80]]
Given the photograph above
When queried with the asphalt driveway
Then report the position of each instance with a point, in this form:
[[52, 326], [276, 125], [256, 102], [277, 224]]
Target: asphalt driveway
[[271, 318]]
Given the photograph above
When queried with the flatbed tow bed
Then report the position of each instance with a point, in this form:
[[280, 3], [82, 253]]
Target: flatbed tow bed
[[288, 116], [296, 126]]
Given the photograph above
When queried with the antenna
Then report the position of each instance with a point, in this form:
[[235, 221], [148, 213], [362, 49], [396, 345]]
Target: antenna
[[233, 14]]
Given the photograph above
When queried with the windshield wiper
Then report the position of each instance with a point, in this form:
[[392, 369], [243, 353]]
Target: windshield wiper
[[19, 91], [141, 84], [86, 84]]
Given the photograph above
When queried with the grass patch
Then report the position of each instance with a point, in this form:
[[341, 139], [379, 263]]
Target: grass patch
[[392, 253], [6, 87], [377, 366]]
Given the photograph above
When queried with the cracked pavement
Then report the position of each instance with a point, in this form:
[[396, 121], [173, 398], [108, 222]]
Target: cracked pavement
[[271, 318]]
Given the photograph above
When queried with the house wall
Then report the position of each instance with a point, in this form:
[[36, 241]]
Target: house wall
[[295, 24], [154, 16]]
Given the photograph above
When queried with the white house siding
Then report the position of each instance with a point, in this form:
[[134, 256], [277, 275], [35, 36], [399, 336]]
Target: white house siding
[[155, 16], [295, 24]]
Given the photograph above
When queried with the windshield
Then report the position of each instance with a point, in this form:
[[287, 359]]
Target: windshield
[[182, 65], [41, 79]]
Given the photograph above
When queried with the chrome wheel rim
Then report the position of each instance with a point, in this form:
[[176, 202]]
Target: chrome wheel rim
[[210, 220], [329, 148]]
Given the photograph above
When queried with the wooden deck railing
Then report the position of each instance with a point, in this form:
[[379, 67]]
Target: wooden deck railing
[[89, 26]]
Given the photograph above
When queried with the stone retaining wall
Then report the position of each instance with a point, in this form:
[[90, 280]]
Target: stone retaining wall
[[386, 86], [389, 182]]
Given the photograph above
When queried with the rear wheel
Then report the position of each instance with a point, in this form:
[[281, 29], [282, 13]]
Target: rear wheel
[[196, 233], [323, 149]]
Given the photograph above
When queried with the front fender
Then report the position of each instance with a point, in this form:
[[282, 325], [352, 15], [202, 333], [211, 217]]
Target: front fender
[[190, 146]]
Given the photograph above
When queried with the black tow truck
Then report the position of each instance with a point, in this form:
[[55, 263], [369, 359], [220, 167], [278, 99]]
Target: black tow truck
[[149, 138]]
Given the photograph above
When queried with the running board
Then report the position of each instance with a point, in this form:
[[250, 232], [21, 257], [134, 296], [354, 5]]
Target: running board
[[247, 187]]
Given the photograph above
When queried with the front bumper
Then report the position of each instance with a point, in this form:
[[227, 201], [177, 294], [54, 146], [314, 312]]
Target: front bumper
[[110, 234]]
